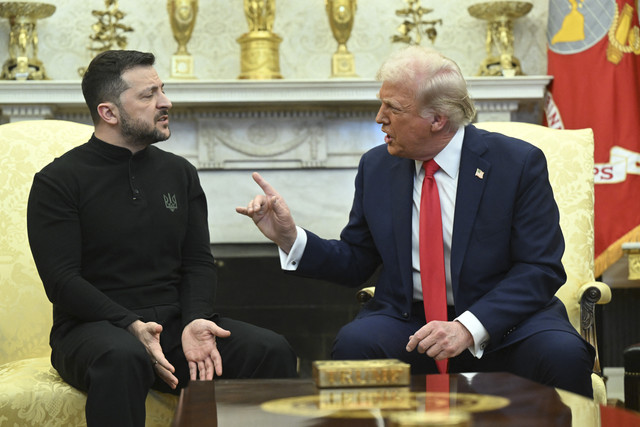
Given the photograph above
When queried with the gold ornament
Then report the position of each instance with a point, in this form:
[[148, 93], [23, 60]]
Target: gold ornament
[[415, 25], [499, 37], [632, 250], [341, 16], [182, 15], [23, 62], [259, 56], [108, 31]]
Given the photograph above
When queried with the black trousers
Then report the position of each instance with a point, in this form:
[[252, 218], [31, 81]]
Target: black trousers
[[114, 369]]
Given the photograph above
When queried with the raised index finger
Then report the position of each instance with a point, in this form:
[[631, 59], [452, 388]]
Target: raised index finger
[[266, 187]]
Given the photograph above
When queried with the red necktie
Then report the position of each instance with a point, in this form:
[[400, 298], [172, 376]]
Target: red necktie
[[434, 290]]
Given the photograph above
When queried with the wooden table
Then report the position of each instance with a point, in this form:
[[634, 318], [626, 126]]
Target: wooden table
[[495, 399]]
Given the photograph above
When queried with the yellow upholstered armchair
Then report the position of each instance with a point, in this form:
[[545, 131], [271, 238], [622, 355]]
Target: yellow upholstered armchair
[[31, 391], [569, 155]]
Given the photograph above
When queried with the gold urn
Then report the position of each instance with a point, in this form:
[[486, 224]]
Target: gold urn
[[182, 15], [341, 15], [23, 62], [259, 48], [500, 60]]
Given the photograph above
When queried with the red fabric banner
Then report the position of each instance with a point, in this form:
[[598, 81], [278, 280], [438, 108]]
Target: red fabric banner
[[594, 58]]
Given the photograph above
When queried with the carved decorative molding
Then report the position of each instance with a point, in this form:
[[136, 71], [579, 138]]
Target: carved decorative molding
[[496, 106], [27, 112]]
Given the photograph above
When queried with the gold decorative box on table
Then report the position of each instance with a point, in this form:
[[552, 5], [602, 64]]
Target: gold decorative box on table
[[360, 373]]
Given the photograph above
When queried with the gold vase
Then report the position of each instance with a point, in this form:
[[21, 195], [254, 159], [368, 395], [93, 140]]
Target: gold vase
[[182, 15], [341, 15], [259, 48], [500, 15], [23, 62]]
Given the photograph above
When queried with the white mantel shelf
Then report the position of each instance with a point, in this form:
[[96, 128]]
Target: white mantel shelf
[[66, 94]]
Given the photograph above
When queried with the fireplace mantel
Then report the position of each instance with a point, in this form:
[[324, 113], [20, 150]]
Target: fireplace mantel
[[304, 136], [23, 100]]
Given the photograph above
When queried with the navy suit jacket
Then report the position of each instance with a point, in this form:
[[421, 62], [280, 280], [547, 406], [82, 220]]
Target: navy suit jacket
[[506, 246]]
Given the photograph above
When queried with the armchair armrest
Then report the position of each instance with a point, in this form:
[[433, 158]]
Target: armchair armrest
[[598, 292], [590, 294]]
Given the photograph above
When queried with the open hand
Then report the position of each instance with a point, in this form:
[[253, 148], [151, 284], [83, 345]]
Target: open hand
[[148, 333], [200, 349]]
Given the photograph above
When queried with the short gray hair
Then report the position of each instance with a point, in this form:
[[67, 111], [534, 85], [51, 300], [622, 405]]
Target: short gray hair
[[439, 84]]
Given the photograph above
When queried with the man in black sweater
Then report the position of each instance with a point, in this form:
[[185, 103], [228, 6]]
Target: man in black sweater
[[118, 230]]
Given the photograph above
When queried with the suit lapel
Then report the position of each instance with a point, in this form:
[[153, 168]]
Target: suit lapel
[[401, 197], [472, 178]]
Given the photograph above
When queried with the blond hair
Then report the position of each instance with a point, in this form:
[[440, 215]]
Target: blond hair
[[438, 82]]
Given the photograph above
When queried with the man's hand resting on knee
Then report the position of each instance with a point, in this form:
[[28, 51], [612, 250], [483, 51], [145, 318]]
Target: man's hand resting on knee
[[149, 335], [441, 340], [199, 346]]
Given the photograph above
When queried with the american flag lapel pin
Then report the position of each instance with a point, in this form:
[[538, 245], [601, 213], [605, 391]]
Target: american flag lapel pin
[[480, 173]]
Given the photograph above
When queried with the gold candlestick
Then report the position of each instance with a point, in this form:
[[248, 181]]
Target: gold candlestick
[[182, 15], [108, 31], [414, 25], [500, 16], [341, 16], [259, 56], [23, 62]]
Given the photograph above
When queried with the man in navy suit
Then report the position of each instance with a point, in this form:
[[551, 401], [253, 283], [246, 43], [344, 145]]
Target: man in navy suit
[[501, 239]]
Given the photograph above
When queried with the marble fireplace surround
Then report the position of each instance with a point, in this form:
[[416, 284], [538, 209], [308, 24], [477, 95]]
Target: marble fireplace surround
[[304, 137]]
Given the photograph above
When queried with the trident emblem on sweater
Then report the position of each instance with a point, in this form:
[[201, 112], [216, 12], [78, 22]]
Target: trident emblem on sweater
[[170, 202]]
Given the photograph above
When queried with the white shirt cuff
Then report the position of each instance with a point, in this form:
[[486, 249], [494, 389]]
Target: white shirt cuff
[[291, 260], [478, 332]]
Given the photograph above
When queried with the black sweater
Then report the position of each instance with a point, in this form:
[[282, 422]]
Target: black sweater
[[112, 232]]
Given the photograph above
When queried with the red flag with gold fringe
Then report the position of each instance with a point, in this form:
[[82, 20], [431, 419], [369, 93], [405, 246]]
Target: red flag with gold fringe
[[594, 58]]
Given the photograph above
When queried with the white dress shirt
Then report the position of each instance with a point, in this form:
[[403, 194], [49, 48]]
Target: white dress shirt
[[447, 180]]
